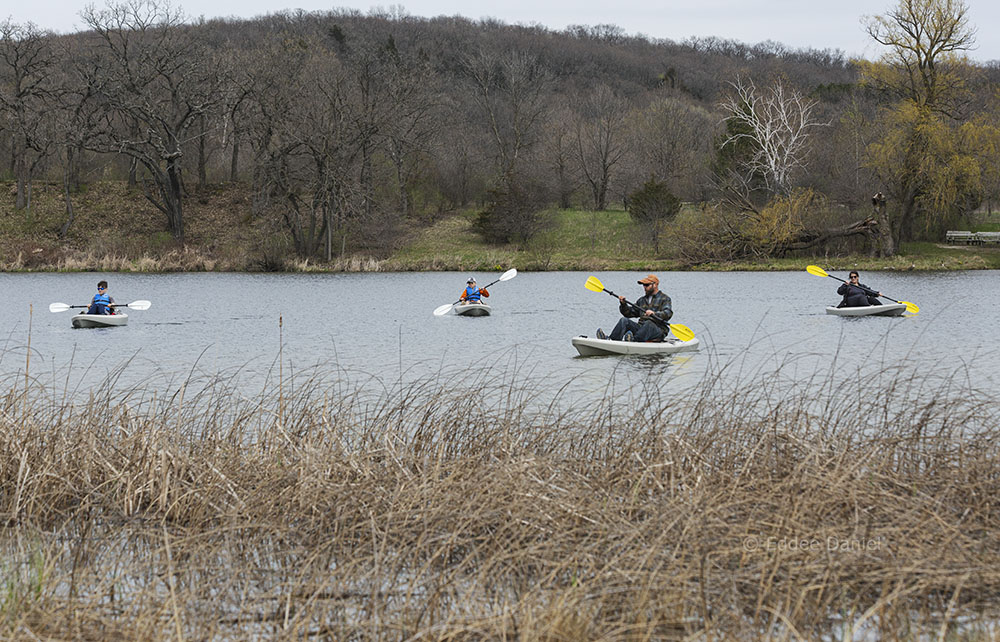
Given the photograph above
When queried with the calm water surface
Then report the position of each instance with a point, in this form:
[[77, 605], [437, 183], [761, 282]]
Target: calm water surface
[[379, 330]]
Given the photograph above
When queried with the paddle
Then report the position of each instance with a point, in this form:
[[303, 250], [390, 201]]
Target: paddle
[[135, 305], [680, 330], [446, 308], [818, 271]]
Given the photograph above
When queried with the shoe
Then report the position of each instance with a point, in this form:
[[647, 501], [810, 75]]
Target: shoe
[[628, 336], [600, 334]]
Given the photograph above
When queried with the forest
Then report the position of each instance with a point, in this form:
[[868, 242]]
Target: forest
[[344, 129]]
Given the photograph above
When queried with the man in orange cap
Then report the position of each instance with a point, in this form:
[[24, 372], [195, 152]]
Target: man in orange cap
[[653, 310]]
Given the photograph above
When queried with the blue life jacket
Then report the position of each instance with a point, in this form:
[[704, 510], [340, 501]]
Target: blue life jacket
[[472, 294], [102, 299]]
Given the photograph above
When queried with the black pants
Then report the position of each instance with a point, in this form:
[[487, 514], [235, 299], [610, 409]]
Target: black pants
[[648, 331]]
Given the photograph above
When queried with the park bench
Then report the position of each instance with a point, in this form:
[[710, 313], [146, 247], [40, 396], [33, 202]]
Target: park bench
[[969, 238], [988, 237]]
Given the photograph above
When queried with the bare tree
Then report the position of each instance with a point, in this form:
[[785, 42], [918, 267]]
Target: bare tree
[[412, 95], [600, 141], [777, 124], [559, 154], [155, 81], [300, 132], [28, 95], [670, 139], [329, 131], [511, 93]]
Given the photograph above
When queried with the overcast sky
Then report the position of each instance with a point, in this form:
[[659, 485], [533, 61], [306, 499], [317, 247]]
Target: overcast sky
[[834, 24]]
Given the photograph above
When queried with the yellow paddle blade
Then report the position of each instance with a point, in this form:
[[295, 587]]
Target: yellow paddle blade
[[594, 284], [681, 331], [816, 270], [911, 307]]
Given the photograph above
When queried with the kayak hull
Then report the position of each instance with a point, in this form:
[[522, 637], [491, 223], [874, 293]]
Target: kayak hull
[[473, 309], [83, 320], [590, 347], [887, 310]]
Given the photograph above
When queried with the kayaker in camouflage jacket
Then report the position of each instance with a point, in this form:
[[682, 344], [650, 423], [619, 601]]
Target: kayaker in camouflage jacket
[[652, 309]]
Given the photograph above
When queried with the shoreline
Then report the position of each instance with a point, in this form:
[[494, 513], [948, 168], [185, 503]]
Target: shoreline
[[192, 261]]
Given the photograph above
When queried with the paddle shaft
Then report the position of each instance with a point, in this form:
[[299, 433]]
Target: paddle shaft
[[489, 284], [861, 287], [135, 305], [660, 322]]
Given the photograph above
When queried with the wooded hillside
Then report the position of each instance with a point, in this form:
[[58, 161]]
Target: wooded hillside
[[346, 128]]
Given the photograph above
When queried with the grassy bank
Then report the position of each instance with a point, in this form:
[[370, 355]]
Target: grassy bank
[[116, 229], [746, 513]]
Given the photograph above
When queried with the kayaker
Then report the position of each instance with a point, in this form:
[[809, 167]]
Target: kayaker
[[473, 293], [102, 303], [652, 305], [856, 294]]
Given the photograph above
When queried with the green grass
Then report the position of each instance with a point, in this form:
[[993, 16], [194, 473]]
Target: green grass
[[578, 239]]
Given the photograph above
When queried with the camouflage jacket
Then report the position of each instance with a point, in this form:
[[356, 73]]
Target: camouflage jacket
[[659, 303]]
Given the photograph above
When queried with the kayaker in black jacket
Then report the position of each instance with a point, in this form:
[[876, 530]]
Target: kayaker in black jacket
[[857, 294]]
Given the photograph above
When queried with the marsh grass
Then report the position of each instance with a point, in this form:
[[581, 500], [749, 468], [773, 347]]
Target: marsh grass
[[466, 506]]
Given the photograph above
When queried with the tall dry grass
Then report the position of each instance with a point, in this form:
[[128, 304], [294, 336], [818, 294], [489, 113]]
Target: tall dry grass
[[438, 511]]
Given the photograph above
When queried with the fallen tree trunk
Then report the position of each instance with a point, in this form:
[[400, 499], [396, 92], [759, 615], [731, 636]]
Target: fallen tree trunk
[[811, 238]]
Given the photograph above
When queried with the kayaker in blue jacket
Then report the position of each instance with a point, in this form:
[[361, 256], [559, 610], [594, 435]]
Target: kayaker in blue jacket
[[472, 292], [652, 309], [856, 294], [102, 303]]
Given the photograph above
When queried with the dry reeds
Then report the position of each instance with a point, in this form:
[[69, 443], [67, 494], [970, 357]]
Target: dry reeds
[[490, 510]]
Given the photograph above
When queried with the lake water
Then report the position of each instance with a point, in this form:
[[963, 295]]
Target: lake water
[[378, 330]]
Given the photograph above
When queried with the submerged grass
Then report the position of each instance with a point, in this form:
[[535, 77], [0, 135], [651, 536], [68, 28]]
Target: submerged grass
[[438, 511]]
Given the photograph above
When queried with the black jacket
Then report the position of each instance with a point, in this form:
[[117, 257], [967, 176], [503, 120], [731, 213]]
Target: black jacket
[[856, 295]]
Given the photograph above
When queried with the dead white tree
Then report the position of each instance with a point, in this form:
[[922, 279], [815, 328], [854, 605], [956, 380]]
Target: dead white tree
[[776, 122]]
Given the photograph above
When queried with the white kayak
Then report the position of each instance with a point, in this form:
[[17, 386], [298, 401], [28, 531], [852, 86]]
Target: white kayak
[[589, 347], [886, 310], [473, 309], [84, 320]]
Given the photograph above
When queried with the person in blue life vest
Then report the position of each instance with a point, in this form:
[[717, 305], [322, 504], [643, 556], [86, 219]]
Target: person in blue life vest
[[473, 293], [857, 294], [653, 310], [102, 303]]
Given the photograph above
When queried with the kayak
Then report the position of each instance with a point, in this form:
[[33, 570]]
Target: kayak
[[473, 309], [84, 320], [589, 347], [886, 310]]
